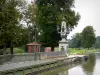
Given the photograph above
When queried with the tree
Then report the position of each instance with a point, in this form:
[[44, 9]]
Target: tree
[[29, 16], [22, 39], [50, 14], [88, 37], [9, 20], [75, 42], [97, 43]]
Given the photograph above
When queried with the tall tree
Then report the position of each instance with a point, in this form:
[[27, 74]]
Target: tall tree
[[75, 42], [88, 37], [22, 39], [50, 14], [9, 19], [97, 43], [29, 18]]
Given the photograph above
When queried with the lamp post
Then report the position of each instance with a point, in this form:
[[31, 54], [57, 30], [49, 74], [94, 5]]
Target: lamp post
[[35, 57], [36, 33]]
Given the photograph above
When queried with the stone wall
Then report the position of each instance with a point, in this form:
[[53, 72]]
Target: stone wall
[[30, 56]]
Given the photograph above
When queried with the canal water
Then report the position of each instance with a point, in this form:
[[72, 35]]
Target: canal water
[[89, 67]]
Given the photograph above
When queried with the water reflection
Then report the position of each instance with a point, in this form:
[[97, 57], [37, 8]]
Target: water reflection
[[63, 73], [76, 71], [88, 67], [91, 67]]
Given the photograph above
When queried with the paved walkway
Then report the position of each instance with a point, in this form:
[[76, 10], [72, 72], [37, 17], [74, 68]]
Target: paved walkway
[[8, 66]]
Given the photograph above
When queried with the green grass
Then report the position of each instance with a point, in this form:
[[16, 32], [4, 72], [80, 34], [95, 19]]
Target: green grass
[[56, 48], [81, 51], [16, 50], [78, 51], [71, 50]]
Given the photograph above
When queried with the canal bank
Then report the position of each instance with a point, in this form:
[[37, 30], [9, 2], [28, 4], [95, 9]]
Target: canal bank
[[33, 67], [89, 67]]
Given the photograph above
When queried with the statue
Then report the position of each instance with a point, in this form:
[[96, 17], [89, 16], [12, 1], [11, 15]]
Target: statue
[[63, 45], [62, 48], [63, 26], [63, 29]]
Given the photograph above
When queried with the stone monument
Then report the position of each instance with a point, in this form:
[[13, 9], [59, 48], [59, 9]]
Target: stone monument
[[63, 44]]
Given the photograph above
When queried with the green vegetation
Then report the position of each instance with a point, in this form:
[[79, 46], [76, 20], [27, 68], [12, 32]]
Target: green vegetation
[[88, 37], [85, 39], [16, 50], [10, 17], [29, 16], [50, 14], [42, 16], [97, 43], [13, 32], [80, 51], [75, 42]]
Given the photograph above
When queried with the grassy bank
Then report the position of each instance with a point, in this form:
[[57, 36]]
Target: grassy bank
[[16, 50], [71, 50], [81, 51], [78, 51]]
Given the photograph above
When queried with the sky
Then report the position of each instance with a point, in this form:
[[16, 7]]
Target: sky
[[90, 14]]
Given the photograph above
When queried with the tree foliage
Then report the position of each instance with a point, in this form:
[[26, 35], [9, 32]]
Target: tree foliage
[[85, 39], [97, 43], [75, 42], [29, 16], [9, 20], [50, 14], [43, 17], [88, 37]]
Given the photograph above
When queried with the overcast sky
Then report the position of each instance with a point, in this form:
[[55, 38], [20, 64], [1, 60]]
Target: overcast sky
[[90, 14]]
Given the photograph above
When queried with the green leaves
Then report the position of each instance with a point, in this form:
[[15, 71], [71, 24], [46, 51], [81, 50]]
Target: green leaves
[[97, 43], [75, 42], [9, 20], [49, 15], [88, 37], [85, 39]]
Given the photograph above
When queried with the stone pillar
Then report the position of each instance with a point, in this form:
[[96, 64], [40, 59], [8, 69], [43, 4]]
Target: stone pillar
[[63, 45]]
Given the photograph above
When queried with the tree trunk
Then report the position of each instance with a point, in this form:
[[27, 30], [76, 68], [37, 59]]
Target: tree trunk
[[4, 49], [29, 38], [11, 49], [26, 49], [52, 48]]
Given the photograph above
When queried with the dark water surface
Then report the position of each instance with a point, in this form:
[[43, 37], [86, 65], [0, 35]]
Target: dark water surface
[[90, 67]]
